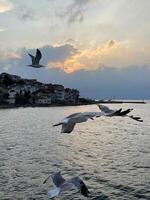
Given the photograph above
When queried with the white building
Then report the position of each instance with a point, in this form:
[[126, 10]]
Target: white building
[[59, 93], [43, 100]]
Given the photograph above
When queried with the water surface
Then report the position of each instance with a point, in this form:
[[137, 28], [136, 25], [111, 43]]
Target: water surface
[[112, 155]]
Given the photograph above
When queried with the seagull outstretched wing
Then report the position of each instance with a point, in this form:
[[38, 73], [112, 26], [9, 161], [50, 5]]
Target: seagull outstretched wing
[[67, 127], [37, 57], [32, 58], [80, 185], [57, 178]]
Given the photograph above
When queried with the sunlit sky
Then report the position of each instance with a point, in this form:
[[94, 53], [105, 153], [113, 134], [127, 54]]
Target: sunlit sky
[[75, 34]]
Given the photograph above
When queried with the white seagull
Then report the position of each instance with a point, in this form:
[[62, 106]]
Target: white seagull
[[36, 59], [119, 112], [70, 121], [63, 185]]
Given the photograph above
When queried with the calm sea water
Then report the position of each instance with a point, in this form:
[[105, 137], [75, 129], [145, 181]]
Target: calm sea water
[[112, 155]]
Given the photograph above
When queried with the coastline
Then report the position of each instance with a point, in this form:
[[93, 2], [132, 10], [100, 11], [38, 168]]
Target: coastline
[[64, 105], [46, 106]]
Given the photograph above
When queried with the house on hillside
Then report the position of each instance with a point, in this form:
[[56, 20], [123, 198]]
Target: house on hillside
[[71, 95], [59, 93]]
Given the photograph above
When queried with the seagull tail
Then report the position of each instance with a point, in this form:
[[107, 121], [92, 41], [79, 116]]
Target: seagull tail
[[53, 192]]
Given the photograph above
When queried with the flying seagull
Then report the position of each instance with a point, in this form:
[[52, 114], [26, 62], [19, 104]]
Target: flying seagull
[[69, 122], [63, 185], [111, 112], [36, 59]]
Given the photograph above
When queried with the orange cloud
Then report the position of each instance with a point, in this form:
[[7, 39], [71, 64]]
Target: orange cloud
[[5, 6], [4, 55], [113, 53], [88, 59]]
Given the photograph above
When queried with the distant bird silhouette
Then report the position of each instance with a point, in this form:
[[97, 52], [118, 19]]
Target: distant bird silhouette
[[111, 112], [63, 185], [36, 59]]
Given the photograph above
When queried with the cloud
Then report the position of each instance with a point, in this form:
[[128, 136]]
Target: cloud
[[25, 13], [111, 43], [5, 6], [130, 82], [88, 58], [70, 41], [66, 57], [1, 29], [75, 11]]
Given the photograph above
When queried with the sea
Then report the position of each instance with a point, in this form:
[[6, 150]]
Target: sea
[[111, 155]]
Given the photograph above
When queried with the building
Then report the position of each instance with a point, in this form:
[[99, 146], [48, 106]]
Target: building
[[59, 93], [43, 99], [71, 95]]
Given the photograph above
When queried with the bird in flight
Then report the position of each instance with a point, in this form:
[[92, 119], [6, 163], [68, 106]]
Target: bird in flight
[[119, 112], [36, 59], [60, 185], [70, 121]]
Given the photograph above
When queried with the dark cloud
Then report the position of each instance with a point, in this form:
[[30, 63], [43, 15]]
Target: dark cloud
[[70, 41], [111, 43], [75, 11], [25, 13]]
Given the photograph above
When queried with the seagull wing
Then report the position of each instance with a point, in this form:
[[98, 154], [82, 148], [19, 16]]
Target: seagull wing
[[116, 113], [57, 178], [136, 118], [73, 115], [125, 112], [53, 192], [37, 57], [106, 109], [80, 185], [67, 127], [32, 58]]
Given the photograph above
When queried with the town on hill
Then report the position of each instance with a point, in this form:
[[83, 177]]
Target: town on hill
[[16, 91]]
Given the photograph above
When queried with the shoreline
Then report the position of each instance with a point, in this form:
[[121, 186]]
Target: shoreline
[[64, 105], [41, 106], [126, 101]]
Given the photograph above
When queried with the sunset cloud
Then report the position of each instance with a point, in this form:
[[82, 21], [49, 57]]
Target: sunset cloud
[[89, 58], [5, 6]]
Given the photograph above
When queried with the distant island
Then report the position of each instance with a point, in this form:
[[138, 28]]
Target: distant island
[[16, 91]]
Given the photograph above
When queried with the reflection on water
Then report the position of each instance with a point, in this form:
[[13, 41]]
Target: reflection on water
[[112, 155]]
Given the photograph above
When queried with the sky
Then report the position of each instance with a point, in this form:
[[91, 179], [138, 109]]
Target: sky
[[100, 47]]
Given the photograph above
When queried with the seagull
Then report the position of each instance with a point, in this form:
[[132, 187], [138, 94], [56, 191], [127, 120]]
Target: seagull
[[69, 122], [111, 112], [63, 185], [36, 59]]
